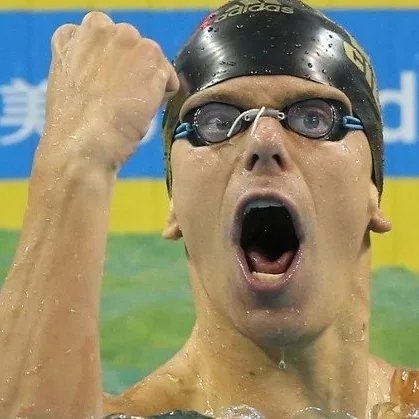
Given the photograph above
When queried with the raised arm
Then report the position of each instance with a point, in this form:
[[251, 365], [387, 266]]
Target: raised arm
[[105, 85]]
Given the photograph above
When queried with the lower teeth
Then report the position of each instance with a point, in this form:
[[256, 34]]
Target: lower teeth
[[262, 277]]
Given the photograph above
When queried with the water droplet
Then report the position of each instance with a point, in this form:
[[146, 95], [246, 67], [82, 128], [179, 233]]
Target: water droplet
[[330, 45], [282, 365], [239, 26], [297, 45], [324, 71], [241, 412], [315, 412], [172, 378]]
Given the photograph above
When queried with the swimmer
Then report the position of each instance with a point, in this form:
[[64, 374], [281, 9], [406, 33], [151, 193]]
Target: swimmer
[[274, 150]]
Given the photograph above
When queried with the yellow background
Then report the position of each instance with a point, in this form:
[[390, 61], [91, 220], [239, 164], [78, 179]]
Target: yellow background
[[184, 4], [141, 205]]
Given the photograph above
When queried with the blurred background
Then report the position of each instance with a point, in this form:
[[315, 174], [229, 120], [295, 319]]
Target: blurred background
[[147, 309]]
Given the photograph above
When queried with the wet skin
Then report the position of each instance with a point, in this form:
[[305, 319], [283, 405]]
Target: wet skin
[[303, 343], [317, 320]]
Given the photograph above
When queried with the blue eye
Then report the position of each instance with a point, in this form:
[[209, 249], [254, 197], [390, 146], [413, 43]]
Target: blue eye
[[214, 121], [314, 118]]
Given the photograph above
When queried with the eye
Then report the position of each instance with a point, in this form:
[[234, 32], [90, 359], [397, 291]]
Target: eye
[[314, 118], [214, 121]]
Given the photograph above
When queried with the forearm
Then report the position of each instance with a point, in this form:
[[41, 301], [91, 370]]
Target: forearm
[[49, 309]]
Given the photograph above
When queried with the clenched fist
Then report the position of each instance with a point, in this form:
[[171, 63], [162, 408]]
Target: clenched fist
[[106, 84]]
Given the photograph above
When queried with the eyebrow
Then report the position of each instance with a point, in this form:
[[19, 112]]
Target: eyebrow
[[246, 101]]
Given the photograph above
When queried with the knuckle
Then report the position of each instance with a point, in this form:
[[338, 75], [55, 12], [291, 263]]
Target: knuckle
[[62, 35], [97, 21], [91, 17], [63, 31], [127, 33], [152, 48], [163, 75], [128, 30]]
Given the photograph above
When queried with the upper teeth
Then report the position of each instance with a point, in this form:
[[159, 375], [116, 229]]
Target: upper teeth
[[262, 203]]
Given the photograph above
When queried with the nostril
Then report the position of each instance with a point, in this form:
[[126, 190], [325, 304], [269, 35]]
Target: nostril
[[253, 161], [255, 158]]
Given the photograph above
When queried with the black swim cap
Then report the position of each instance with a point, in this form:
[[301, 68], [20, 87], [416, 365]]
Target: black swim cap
[[277, 37]]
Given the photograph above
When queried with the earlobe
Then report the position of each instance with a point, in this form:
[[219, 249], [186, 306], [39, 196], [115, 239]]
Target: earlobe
[[172, 230], [378, 222]]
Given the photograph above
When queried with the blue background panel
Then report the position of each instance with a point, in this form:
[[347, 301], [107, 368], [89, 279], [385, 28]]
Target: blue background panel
[[390, 37]]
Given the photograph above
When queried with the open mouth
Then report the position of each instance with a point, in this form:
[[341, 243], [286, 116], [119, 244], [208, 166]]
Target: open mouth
[[269, 240]]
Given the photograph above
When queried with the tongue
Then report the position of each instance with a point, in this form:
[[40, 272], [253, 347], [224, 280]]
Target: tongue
[[259, 263]]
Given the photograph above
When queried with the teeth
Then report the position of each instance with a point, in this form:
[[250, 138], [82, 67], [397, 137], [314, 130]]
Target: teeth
[[262, 203], [266, 278]]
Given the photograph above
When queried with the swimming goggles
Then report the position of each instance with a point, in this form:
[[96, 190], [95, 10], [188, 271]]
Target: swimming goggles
[[216, 122]]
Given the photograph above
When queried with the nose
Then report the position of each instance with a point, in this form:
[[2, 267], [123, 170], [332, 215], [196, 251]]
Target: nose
[[265, 151]]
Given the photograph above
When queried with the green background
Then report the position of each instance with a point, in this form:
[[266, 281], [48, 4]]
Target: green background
[[147, 309]]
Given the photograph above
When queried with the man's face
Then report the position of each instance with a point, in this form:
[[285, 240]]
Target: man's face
[[320, 200]]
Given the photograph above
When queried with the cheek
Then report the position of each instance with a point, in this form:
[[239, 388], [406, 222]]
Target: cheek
[[342, 173], [200, 175], [339, 178]]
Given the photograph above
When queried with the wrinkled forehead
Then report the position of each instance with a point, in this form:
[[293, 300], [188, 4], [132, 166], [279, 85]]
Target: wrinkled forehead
[[274, 91]]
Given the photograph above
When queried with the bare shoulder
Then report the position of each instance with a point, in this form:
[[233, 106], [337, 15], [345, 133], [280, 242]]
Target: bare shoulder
[[393, 390], [165, 390], [117, 404], [380, 374], [380, 370], [144, 399], [405, 386]]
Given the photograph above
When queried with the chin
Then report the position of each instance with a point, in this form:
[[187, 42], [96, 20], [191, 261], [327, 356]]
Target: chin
[[278, 329], [296, 314]]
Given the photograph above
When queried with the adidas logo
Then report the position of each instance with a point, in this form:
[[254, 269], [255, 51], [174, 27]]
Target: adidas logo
[[253, 6]]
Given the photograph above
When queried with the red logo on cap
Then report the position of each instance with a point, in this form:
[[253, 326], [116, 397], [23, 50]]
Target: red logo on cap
[[208, 20]]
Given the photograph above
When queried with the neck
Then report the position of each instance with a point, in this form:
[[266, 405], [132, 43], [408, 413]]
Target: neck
[[329, 372]]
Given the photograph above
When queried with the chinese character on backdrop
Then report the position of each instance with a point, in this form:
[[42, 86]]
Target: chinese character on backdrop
[[23, 108]]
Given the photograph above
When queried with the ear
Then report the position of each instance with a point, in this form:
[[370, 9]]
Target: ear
[[378, 222], [172, 230]]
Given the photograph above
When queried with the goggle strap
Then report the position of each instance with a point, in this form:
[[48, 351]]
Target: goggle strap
[[183, 130], [255, 115], [246, 116], [258, 116], [350, 122]]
